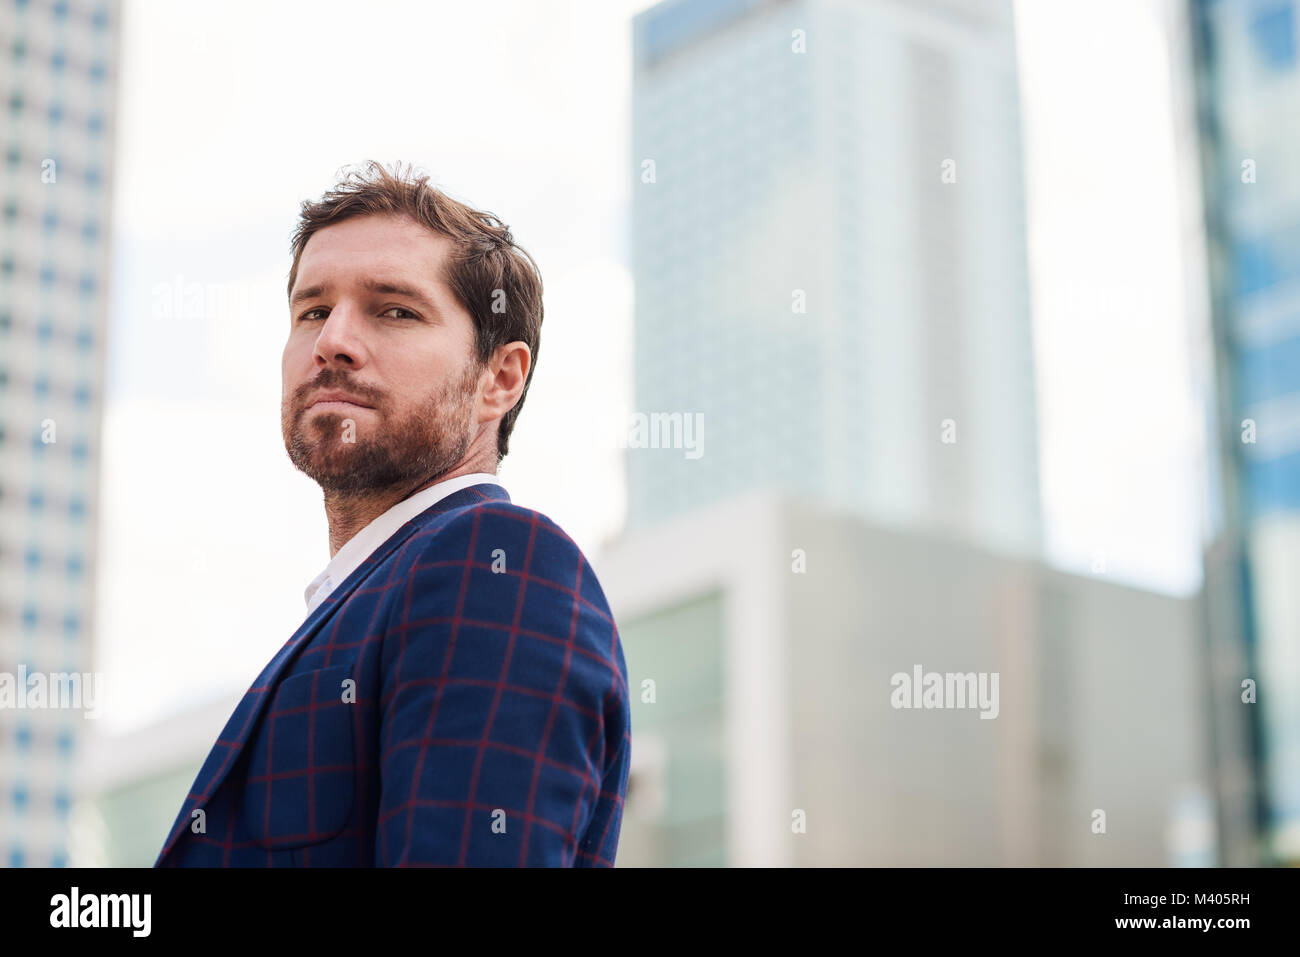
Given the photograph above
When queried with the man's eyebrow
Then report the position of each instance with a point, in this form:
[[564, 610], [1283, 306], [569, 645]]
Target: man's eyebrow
[[380, 286]]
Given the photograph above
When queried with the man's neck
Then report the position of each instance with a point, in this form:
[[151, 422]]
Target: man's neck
[[348, 515]]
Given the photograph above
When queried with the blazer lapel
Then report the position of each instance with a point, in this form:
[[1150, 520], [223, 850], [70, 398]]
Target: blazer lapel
[[249, 710]]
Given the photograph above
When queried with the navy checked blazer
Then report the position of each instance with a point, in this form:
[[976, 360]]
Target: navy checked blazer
[[460, 699]]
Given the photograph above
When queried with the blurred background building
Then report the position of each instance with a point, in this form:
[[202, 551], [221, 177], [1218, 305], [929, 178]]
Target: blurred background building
[[761, 675], [58, 65], [829, 256], [1248, 81]]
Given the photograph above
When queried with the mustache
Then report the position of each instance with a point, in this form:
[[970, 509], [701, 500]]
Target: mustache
[[329, 379]]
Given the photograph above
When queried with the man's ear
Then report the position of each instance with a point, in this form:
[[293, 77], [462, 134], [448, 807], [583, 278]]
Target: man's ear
[[509, 367]]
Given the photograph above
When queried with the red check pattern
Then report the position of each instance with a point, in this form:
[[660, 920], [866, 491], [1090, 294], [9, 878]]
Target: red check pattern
[[461, 699]]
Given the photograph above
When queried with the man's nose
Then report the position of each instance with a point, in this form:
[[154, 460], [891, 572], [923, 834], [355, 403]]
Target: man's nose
[[341, 340]]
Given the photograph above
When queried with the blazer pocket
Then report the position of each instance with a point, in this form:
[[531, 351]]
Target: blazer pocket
[[300, 778]]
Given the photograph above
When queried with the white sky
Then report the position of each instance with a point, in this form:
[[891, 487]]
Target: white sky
[[228, 120]]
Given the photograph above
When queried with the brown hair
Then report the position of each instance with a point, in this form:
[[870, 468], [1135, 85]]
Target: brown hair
[[485, 258]]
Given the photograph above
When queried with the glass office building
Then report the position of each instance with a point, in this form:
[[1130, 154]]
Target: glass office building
[[58, 65], [830, 263], [1248, 80]]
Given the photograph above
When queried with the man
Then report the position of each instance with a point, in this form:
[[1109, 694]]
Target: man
[[458, 693]]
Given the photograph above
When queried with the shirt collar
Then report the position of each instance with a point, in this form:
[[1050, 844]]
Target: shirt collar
[[361, 545]]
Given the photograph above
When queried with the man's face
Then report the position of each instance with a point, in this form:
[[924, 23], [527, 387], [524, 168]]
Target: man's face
[[371, 319]]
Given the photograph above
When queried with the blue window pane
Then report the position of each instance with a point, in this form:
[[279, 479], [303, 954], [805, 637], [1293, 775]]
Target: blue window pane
[[54, 114], [20, 798], [1269, 371], [50, 220], [85, 340], [95, 124], [47, 275], [58, 60], [100, 19], [16, 858], [1274, 485], [45, 330], [62, 803], [90, 230], [23, 736], [33, 558], [77, 509], [82, 395], [79, 451], [60, 10], [74, 566], [67, 741], [92, 177], [1272, 30], [71, 624], [58, 859], [41, 386], [97, 71], [1263, 261], [30, 617], [36, 500]]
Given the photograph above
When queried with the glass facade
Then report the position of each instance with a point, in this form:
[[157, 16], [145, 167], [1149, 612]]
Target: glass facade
[[1249, 90], [58, 60], [813, 285], [677, 789]]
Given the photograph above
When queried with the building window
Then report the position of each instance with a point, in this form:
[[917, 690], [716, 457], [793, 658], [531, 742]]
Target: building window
[[1272, 30]]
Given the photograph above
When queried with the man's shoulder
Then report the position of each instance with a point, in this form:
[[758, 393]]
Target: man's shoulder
[[499, 534], [498, 562]]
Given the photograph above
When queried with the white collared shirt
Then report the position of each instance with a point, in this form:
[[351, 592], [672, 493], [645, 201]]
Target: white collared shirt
[[361, 545]]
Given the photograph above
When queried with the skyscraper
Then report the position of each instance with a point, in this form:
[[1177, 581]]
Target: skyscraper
[[1248, 80], [830, 263], [58, 64]]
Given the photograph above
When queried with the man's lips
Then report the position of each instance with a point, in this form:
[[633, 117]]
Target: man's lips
[[342, 399]]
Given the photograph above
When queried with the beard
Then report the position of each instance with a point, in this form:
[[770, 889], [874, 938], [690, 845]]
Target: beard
[[391, 452]]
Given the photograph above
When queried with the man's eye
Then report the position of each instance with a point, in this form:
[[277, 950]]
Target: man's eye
[[308, 313], [408, 313]]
